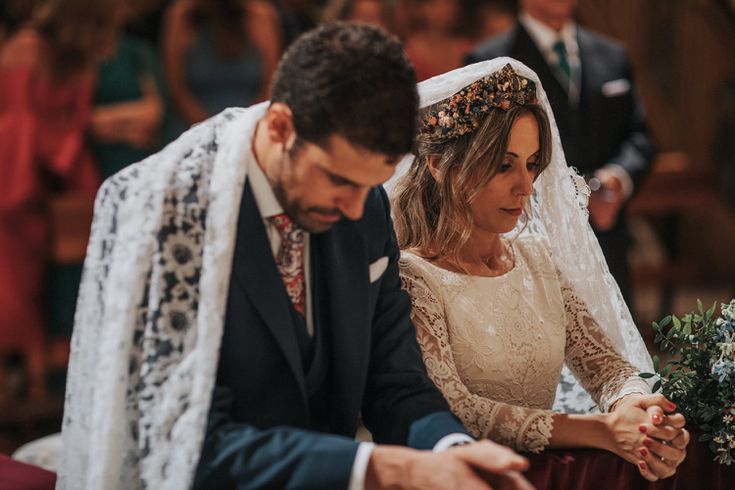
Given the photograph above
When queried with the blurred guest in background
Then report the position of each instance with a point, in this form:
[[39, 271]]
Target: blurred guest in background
[[145, 18], [127, 103], [374, 12], [296, 17], [403, 18], [46, 81], [126, 120], [217, 54], [590, 86], [495, 17], [13, 14], [436, 46]]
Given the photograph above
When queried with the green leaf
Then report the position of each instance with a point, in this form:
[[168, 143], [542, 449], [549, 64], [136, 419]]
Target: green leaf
[[647, 375], [704, 437], [711, 311], [656, 386], [677, 323], [655, 363], [700, 308], [663, 323]]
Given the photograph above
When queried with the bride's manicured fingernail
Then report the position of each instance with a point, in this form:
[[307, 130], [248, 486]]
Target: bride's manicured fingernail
[[643, 452], [671, 406], [642, 465], [642, 428], [647, 442]]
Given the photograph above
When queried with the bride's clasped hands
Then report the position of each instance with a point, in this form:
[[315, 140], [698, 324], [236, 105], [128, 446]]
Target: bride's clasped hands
[[647, 431], [644, 430]]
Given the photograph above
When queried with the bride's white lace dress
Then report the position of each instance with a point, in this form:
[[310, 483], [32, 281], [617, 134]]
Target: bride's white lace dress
[[495, 345]]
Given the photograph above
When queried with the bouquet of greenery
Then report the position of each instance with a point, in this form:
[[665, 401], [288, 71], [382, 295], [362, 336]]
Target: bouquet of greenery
[[700, 375]]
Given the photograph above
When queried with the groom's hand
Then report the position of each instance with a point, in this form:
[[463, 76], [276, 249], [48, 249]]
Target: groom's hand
[[498, 465], [469, 467]]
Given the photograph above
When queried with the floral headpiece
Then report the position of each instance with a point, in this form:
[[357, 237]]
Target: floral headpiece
[[462, 112]]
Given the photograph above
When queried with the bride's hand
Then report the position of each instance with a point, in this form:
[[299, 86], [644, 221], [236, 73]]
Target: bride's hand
[[645, 435]]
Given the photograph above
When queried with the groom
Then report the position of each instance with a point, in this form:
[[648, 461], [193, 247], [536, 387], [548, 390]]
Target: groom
[[315, 329]]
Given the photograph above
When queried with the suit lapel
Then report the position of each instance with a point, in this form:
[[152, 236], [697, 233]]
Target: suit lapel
[[593, 66], [258, 275], [525, 48], [565, 115], [343, 297]]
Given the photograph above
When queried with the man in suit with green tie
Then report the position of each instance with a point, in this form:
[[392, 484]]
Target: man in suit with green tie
[[589, 82]]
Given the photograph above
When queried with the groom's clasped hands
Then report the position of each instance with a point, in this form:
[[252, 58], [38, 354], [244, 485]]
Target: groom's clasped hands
[[482, 465], [646, 431]]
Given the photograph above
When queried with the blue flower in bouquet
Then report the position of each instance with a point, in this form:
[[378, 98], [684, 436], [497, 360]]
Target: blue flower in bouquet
[[724, 370]]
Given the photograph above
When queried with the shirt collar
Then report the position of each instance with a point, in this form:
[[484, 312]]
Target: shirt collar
[[545, 37], [263, 193]]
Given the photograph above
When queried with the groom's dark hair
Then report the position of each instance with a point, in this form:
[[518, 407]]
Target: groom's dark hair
[[353, 80]]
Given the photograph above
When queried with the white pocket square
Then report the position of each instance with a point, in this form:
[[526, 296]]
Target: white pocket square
[[615, 87], [377, 268]]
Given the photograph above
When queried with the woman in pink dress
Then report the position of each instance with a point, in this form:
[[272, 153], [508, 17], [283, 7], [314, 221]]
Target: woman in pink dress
[[46, 79]]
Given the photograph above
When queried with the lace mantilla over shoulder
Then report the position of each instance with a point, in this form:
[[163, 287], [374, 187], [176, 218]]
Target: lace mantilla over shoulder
[[495, 346], [151, 311]]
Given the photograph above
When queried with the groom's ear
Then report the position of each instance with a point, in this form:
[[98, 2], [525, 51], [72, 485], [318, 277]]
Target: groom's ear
[[279, 119], [432, 161]]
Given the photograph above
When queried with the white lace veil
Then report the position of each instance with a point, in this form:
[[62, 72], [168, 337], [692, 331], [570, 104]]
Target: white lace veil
[[558, 213]]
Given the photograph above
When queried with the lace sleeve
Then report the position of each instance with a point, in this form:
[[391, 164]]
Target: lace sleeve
[[524, 429], [592, 358]]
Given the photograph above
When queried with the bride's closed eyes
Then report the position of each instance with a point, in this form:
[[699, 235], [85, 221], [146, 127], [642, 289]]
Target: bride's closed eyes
[[532, 164]]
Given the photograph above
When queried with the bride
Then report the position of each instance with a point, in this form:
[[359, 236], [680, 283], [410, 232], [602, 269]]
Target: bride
[[507, 282]]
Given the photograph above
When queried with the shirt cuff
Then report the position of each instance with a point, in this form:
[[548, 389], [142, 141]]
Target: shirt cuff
[[359, 467], [451, 440], [622, 175]]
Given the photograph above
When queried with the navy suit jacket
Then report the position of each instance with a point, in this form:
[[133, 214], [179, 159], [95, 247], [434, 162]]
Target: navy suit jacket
[[261, 433]]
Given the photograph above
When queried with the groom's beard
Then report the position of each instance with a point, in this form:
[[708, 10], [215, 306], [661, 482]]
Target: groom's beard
[[307, 217]]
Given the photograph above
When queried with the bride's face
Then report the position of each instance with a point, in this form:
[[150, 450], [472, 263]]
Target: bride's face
[[499, 204]]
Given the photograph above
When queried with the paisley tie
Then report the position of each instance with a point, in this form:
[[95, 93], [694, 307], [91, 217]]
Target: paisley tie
[[290, 259]]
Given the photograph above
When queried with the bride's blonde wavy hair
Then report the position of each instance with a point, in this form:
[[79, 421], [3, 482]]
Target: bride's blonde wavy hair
[[433, 216]]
